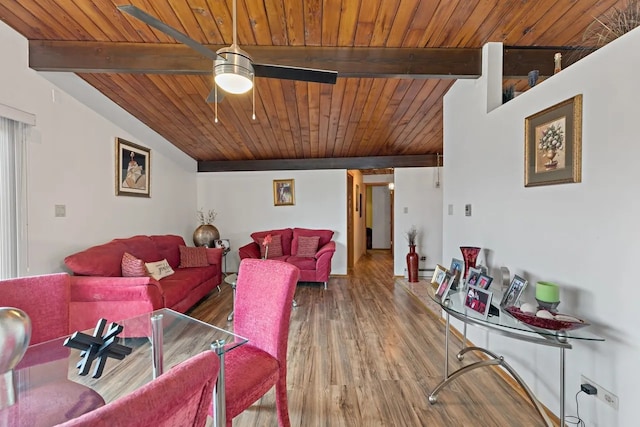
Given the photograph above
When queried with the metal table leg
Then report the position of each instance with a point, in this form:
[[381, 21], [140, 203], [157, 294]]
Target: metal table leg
[[157, 335], [219, 404]]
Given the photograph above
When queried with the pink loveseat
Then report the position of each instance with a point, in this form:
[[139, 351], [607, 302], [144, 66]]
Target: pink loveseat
[[314, 267], [98, 289]]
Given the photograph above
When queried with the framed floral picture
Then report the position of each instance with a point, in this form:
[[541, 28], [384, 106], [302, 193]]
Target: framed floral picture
[[133, 169], [553, 144], [284, 192]]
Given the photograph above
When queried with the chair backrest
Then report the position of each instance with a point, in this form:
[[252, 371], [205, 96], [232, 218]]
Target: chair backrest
[[264, 295], [45, 299], [181, 396]]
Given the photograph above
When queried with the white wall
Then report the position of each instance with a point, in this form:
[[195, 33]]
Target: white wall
[[581, 236], [244, 202], [416, 192], [71, 162]]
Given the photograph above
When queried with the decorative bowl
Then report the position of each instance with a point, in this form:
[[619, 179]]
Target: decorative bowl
[[539, 322]]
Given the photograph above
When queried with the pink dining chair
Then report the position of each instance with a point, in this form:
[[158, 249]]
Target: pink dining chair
[[180, 397], [264, 296]]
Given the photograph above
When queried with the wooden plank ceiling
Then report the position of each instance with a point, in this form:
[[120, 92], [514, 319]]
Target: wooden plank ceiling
[[362, 115]]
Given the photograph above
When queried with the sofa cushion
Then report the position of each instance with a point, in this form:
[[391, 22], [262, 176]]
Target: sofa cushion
[[193, 257], [325, 237], [275, 247], [307, 246], [141, 247], [167, 245], [302, 263], [286, 233], [132, 266], [101, 260], [159, 269], [176, 286]]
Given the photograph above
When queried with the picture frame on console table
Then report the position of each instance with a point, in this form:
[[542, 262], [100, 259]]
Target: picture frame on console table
[[553, 144], [438, 275], [133, 169], [284, 193], [478, 300], [510, 298], [444, 287]]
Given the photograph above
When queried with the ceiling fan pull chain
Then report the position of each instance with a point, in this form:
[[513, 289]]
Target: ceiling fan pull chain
[[253, 92], [215, 105]]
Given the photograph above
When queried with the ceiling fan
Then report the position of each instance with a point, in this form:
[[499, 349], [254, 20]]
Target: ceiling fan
[[233, 68]]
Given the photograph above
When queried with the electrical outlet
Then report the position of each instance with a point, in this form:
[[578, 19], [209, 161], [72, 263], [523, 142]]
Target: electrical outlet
[[423, 258], [603, 394]]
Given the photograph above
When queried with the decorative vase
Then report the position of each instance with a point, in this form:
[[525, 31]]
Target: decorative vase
[[206, 235], [412, 264], [470, 255], [550, 154], [15, 333]]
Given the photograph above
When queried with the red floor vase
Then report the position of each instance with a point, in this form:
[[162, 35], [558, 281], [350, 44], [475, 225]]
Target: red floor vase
[[412, 264]]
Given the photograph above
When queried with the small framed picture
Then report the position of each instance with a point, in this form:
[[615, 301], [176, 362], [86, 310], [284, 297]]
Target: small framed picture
[[438, 275], [284, 192], [456, 268], [484, 281], [478, 300], [444, 286], [513, 293], [474, 274], [223, 243]]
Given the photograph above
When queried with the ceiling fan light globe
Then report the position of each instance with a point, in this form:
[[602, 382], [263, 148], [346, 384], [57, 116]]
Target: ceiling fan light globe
[[233, 83]]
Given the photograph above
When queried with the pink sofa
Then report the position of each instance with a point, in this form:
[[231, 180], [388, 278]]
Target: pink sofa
[[316, 268], [98, 289]]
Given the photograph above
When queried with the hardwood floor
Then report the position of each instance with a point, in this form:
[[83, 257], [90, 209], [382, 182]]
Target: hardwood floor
[[367, 353]]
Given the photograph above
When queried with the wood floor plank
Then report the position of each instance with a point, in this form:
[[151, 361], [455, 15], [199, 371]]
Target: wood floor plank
[[366, 352]]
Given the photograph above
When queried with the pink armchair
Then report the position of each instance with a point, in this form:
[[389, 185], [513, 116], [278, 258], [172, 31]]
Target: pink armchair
[[287, 247], [264, 293], [182, 396]]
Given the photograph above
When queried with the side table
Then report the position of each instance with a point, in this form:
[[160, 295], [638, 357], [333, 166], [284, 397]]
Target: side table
[[231, 280]]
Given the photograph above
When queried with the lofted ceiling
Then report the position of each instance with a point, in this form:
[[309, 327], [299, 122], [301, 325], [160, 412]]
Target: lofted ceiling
[[395, 61]]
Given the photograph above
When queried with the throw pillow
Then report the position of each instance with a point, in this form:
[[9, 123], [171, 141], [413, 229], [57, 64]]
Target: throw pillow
[[193, 257], [132, 266], [159, 269], [307, 246], [275, 247]]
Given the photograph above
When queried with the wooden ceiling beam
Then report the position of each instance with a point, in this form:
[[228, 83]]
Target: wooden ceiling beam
[[171, 58], [374, 162]]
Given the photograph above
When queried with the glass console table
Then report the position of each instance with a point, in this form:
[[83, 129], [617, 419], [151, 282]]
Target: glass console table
[[503, 324], [159, 341]]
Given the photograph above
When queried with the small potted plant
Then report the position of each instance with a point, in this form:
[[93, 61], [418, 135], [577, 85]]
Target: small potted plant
[[206, 234]]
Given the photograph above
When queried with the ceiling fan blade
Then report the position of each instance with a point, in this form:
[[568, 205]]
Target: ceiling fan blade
[[161, 26], [295, 73], [212, 99]]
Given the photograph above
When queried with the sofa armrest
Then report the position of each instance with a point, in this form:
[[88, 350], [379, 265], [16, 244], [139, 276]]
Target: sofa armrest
[[98, 288], [328, 248], [250, 250], [214, 256]]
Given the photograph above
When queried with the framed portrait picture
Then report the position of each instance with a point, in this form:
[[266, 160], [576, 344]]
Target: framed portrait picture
[[284, 193], [478, 300], [474, 274], [553, 144], [133, 169], [444, 286], [513, 293], [438, 275], [484, 281], [455, 270]]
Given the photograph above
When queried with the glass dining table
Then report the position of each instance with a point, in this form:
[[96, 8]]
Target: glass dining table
[[158, 340]]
